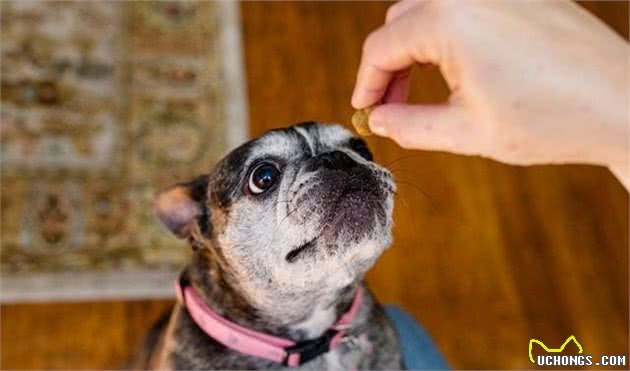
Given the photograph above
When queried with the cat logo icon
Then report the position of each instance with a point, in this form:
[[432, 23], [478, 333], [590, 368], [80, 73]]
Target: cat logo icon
[[553, 350]]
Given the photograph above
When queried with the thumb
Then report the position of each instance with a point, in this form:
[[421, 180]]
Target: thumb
[[428, 127]]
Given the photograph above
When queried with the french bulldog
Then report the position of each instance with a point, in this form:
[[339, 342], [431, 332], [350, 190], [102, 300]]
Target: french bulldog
[[282, 231]]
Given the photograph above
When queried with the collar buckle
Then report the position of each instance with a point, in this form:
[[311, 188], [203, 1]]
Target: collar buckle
[[306, 350]]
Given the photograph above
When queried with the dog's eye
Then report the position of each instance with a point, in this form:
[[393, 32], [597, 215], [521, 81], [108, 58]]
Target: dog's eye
[[263, 177]]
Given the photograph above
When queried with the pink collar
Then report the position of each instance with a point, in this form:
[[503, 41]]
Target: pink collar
[[254, 343]]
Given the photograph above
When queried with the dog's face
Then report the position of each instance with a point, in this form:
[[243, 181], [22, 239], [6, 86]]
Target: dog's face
[[296, 210]]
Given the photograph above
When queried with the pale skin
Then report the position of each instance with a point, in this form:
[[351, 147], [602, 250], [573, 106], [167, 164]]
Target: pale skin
[[532, 82]]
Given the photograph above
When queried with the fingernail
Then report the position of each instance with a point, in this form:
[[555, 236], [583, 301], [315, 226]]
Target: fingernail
[[378, 127], [355, 99]]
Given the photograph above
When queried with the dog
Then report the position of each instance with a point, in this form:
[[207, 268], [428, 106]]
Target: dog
[[282, 231]]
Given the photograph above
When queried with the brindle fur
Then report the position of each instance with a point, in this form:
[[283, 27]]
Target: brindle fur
[[241, 263]]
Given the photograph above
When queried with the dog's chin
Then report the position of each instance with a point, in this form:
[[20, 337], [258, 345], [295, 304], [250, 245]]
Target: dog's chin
[[357, 220]]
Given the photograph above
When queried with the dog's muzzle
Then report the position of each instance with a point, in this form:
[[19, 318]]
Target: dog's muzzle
[[346, 198]]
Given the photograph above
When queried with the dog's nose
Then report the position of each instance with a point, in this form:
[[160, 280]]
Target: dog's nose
[[334, 160]]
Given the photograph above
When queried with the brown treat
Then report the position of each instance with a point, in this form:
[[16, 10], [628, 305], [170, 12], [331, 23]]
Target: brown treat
[[360, 121]]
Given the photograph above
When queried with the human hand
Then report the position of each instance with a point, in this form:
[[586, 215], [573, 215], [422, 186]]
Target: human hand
[[531, 82]]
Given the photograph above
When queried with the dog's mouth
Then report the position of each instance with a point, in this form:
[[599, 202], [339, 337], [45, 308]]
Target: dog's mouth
[[294, 254]]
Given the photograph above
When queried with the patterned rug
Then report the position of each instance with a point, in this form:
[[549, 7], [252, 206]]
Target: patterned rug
[[103, 103]]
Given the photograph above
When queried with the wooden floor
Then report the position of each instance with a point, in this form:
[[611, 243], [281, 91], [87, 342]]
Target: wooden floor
[[486, 256]]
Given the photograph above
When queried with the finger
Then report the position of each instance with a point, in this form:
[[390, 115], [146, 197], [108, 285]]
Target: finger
[[393, 47], [428, 127], [371, 85], [398, 89], [399, 8]]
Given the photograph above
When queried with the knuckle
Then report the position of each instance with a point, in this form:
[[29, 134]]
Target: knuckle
[[370, 42], [392, 11]]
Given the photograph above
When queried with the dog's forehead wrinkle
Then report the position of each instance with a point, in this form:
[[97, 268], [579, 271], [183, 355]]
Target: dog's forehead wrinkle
[[324, 138], [303, 133], [273, 144], [333, 136]]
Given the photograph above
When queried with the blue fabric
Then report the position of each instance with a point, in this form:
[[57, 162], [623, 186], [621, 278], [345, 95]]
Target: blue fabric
[[418, 350]]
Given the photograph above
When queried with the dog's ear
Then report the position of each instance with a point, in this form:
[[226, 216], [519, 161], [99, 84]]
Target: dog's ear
[[181, 205]]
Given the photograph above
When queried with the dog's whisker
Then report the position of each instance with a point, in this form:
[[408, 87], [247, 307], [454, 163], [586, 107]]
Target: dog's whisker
[[417, 188], [275, 204], [406, 157], [286, 216], [400, 198], [394, 171], [275, 231]]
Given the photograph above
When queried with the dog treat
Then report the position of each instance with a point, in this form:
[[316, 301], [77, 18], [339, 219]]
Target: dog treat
[[360, 121]]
